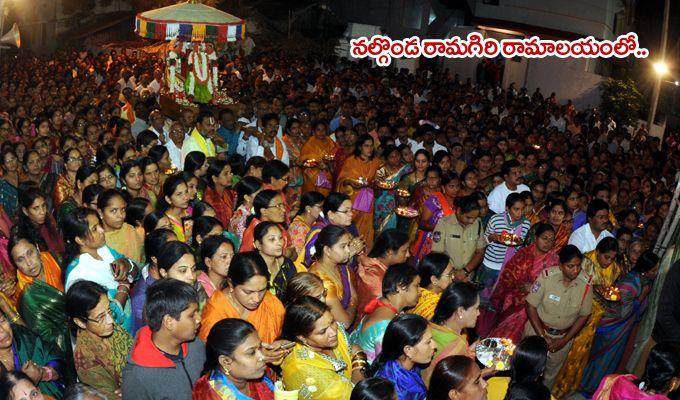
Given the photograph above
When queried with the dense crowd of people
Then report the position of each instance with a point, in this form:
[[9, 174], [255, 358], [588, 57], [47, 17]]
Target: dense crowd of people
[[340, 232]]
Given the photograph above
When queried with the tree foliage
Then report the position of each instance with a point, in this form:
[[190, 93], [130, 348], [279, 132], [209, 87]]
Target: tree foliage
[[621, 99]]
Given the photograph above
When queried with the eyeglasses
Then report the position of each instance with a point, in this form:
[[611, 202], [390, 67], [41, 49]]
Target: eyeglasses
[[78, 159], [280, 206], [100, 320]]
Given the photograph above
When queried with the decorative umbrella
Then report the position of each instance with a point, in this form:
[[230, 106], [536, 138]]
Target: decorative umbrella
[[190, 21]]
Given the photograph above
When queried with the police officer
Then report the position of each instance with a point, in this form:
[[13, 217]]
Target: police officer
[[461, 237], [558, 306]]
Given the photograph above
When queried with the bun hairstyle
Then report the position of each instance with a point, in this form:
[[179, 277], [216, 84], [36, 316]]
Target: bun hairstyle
[[224, 337]]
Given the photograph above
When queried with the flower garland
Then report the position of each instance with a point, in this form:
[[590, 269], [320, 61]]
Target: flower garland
[[200, 67]]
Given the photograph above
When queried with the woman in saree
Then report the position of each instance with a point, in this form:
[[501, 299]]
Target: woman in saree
[[120, 236], [390, 248], [132, 179], [661, 377], [557, 218], [356, 179], [89, 258], [458, 309], [602, 266], [318, 175], [21, 350], [246, 296], [35, 222], [337, 210], [175, 203], [218, 192], [408, 345], [516, 280], [246, 190], [399, 291], [294, 140], [66, 181], [310, 209], [40, 292], [468, 181], [436, 273], [84, 177], [152, 179], [346, 144], [101, 346], [421, 161], [9, 182], [321, 366], [618, 321], [33, 165], [234, 367], [391, 172], [268, 205], [443, 190], [332, 254], [269, 244]]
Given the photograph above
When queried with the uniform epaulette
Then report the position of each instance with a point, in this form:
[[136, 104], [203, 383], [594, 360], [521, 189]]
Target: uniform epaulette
[[551, 271]]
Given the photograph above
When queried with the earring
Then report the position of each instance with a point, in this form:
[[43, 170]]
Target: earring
[[460, 316], [226, 372]]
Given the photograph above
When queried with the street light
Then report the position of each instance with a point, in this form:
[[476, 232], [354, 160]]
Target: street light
[[660, 68]]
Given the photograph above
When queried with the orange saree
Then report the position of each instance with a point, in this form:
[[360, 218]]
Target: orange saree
[[51, 271], [267, 319], [354, 168], [316, 149]]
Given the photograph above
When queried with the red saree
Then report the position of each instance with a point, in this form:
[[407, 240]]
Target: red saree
[[509, 297]]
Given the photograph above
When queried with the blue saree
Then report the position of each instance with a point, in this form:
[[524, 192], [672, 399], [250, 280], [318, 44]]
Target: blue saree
[[613, 331]]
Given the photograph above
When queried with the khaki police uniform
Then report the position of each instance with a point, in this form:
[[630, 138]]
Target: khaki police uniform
[[558, 307], [457, 241]]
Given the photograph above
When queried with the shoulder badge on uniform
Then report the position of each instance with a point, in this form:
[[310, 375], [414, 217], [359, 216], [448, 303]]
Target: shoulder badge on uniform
[[535, 287], [436, 236]]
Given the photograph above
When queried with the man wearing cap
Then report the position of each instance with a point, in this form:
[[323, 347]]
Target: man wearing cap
[[558, 306]]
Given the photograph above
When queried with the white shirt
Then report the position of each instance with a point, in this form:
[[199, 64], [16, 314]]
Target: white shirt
[[496, 199], [165, 133], [175, 154], [154, 87], [435, 147], [410, 143], [90, 269], [255, 149], [584, 239]]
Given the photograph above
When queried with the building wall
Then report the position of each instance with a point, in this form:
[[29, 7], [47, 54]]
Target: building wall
[[399, 18], [42, 22], [569, 78], [585, 17]]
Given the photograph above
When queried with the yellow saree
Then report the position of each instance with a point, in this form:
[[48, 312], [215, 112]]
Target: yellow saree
[[318, 376], [127, 242]]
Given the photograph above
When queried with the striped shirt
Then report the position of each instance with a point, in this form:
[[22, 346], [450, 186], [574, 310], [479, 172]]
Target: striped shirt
[[495, 252]]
